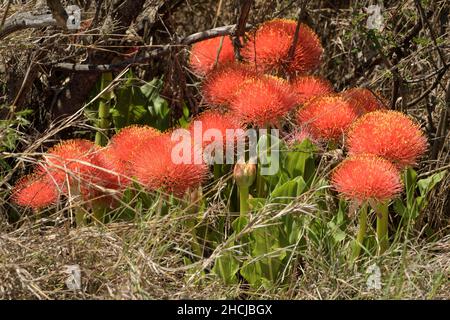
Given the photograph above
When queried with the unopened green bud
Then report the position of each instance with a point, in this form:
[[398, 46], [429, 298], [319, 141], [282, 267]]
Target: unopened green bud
[[244, 174]]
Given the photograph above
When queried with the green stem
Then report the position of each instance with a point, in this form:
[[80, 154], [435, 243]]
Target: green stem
[[99, 212], [217, 171], [358, 243], [192, 224], [259, 183], [195, 245], [103, 110], [243, 201], [382, 212], [80, 217]]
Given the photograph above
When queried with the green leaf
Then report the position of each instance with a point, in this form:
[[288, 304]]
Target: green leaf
[[285, 192], [300, 162], [399, 207], [239, 224], [410, 178], [426, 185], [336, 232], [257, 203], [226, 267]]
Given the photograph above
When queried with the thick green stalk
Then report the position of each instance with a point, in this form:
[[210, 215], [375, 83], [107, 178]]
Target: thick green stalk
[[104, 110], [259, 184], [191, 222], [99, 212], [80, 217], [382, 212], [217, 171], [243, 201], [195, 245], [358, 243]]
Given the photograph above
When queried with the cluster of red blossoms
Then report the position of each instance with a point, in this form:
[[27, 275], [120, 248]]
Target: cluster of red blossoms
[[80, 168], [254, 93], [380, 142], [383, 142]]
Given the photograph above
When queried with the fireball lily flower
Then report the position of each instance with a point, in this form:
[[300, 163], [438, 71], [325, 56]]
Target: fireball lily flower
[[269, 48], [263, 102], [222, 84], [35, 192], [363, 100], [368, 179], [205, 55], [388, 134], [328, 117], [308, 87], [163, 165]]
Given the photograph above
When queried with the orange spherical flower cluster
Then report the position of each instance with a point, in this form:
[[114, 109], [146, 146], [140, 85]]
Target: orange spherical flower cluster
[[128, 143], [328, 117], [363, 100], [213, 125], [308, 87], [270, 47], [160, 167], [79, 165], [71, 159], [35, 192], [389, 134], [263, 102], [206, 54], [367, 177], [221, 84]]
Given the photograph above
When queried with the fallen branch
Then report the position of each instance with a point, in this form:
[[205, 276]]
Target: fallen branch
[[147, 56], [29, 20]]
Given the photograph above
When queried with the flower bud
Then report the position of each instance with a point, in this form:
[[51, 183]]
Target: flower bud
[[244, 174]]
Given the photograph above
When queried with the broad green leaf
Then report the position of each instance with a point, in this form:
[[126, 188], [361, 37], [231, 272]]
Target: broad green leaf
[[410, 178], [239, 224], [256, 203], [226, 267], [426, 185], [300, 161], [399, 207]]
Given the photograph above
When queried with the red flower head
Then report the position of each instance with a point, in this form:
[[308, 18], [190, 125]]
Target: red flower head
[[263, 102], [128, 143], [328, 117], [388, 134], [308, 87], [220, 123], [107, 176], [35, 192], [222, 84], [81, 166], [363, 100], [70, 160], [163, 165], [367, 177], [272, 44], [205, 54]]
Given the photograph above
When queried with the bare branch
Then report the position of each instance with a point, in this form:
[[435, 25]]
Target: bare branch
[[241, 27], [191, 39]]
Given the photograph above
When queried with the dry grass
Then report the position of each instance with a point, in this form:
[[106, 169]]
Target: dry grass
[[144, 260]]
